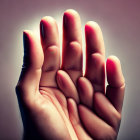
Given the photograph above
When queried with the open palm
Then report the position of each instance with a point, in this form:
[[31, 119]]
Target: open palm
[[61, 104]]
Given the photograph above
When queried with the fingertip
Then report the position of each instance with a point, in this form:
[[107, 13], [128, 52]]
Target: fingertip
[[70, 101], [59, 76], [45, 24], [71, 105], [70, 12], [60, 72], [26, 36], [91, 26], [80, 80], [48, 20], [26, 40], [114, 72], [113, 60], [27, 32], [71, 17], [113, 64], [94, 38], [49, 32]]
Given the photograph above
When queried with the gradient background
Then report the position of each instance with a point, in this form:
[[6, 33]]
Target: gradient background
[[120, 23]]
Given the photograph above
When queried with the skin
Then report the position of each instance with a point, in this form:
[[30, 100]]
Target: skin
[[56, 101]]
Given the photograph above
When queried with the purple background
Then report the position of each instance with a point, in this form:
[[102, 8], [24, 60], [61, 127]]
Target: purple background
[[120, 23]]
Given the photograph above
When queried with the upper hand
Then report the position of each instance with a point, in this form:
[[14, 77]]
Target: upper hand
[[62, 104]]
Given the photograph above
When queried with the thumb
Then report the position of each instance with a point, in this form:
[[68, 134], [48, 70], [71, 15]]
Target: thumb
[[32, 62]]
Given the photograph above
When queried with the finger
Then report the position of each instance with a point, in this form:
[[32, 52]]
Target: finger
[[67, 86], [96, 127], [33, 60], [116, 87], [72, 44], [85, 92], [50, 44], [71, 27], [106, 110], [95, 52], [74, 118], [114, 73]]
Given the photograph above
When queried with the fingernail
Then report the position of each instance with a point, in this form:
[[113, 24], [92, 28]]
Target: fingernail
[[42, 30]]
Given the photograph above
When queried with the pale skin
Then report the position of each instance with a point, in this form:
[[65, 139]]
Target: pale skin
[[58, 102]]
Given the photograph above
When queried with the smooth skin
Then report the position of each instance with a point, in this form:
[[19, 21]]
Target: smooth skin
[[56, 101]]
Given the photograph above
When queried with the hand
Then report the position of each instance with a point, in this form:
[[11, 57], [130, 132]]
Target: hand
[[57, 102]]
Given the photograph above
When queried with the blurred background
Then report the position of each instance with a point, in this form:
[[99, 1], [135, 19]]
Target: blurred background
[[120, 24]]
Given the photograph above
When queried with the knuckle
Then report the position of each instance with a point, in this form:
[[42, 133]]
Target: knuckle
[[74, 43]]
